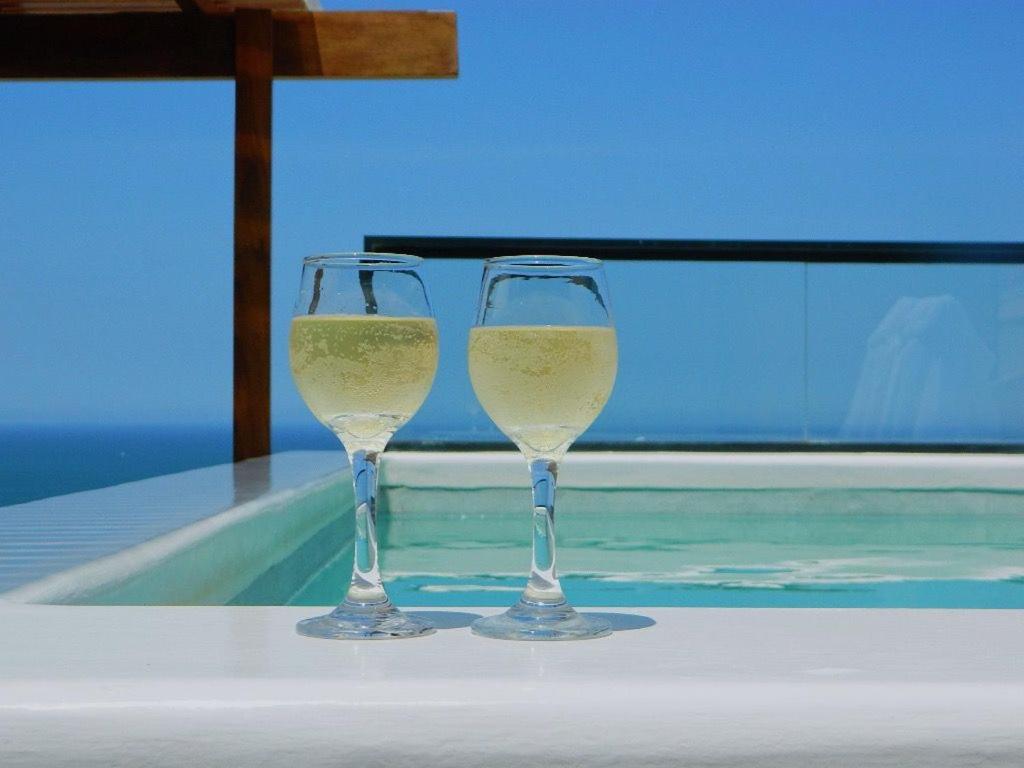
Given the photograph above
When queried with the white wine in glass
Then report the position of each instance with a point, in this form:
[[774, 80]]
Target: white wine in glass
[[363, 353], [363, 376], [542, 385], [542, 359]]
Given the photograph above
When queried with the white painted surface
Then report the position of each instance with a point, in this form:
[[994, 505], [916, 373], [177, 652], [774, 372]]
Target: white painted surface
[[636, 469], [83, 686]]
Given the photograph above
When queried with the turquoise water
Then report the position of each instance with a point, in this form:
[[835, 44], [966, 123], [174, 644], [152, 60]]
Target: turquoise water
[[728, 548], [424, 591]]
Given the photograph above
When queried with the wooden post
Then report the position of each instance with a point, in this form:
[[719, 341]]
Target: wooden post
[[254, 78], [252, 45]]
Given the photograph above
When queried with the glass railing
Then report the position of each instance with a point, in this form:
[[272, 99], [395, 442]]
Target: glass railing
[[768, 344]]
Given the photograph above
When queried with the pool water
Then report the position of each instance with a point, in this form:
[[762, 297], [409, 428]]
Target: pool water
[[670, 547]]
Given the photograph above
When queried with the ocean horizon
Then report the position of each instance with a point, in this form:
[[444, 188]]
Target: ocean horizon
[[39, 461]]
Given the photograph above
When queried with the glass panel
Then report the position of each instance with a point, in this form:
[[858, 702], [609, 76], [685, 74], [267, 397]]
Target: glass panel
[[689, 336], [716, 352], [707, 352]]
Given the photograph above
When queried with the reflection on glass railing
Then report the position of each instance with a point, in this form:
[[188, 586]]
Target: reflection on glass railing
[[921, 353], [924, 356]]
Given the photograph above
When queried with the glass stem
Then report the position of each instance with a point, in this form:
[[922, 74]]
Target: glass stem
[[366, 587], [543, 587]]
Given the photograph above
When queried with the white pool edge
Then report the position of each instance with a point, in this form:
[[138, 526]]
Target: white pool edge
[[720, 688], [681, 470]]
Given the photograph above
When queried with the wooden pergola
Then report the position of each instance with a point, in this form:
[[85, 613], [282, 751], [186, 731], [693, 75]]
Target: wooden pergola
[[252, 41]]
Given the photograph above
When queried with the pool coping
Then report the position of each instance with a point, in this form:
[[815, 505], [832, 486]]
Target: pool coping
[[696, 470], [773, 688]]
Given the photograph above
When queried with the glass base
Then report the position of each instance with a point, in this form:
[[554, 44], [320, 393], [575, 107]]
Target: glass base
[[537, 621], [355, 621]]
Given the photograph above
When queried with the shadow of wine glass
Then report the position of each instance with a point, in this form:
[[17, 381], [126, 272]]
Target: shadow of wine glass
[[623, 622], [446, 619]]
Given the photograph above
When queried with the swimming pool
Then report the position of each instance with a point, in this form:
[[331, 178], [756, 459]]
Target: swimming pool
[[710, 547], [674, 530]]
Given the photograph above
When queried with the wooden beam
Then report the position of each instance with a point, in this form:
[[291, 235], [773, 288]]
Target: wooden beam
[[119, 45], [327, 44], [254, 80], [363, 44], [87, 6], [149, 6], [188, 6]]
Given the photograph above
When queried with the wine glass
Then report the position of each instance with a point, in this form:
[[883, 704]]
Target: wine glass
[[363, 353], [542, 359]]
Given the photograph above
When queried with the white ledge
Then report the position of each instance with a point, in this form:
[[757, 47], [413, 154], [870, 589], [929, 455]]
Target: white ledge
[[679, 470], [89, 686]]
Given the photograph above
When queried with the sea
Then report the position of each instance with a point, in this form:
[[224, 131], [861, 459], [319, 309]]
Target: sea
[[41, 461]]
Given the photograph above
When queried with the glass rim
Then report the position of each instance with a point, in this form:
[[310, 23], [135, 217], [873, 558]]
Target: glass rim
[[363, 260], [544, 262]]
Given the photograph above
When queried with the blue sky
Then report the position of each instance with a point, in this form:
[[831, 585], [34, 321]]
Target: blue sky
[[854, 120]]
